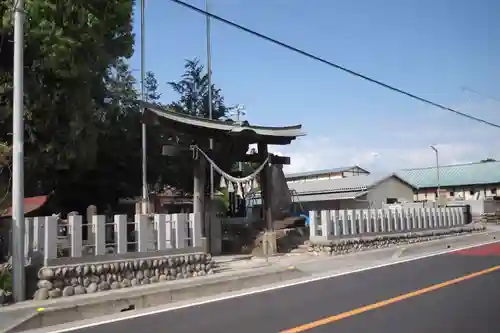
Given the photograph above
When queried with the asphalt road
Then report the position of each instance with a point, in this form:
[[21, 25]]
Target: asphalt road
[[469, 305]]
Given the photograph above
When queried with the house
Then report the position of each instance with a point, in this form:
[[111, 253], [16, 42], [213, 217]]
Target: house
[[471, 181], [334, 173], [357, 192]]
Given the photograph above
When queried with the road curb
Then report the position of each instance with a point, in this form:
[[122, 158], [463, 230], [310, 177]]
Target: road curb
[[50, 314]]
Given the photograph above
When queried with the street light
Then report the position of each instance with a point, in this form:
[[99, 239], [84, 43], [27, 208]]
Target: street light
[[433, 147]]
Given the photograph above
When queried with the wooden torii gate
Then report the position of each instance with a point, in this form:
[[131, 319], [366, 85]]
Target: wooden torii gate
[[230, 139]]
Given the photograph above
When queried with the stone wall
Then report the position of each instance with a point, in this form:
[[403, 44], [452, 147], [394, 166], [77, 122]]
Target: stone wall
[[490, 217], [347, 245], [69, 280]]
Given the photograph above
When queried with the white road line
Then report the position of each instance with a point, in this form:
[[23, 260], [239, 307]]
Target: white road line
[[258, 291]]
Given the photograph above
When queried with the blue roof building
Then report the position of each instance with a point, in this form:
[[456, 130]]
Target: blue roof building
[[472, 174], [481, 179]]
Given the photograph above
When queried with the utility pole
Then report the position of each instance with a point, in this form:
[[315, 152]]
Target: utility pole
[[209, 69], [144, 205], [208, 229], [18, 226], [433, 147]]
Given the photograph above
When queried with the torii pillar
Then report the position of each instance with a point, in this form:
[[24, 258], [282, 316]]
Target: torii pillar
[[199, 182], [269, 246]]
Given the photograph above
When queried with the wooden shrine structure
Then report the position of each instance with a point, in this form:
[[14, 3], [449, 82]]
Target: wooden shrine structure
[[231, 140]]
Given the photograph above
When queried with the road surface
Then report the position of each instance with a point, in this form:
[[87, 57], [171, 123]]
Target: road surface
[[455, 292]]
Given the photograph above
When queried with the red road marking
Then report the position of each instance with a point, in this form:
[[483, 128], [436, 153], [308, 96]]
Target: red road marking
[[485, 250]]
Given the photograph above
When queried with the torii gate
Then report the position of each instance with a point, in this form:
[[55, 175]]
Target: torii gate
[[230, 139]]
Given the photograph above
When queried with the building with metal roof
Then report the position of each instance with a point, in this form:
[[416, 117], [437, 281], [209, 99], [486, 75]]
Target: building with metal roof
[[357, 192], [459, 181], [333, 173]]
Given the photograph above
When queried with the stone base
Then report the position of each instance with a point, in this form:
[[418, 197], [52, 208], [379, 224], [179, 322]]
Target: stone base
[[69, 280], [347, 245], [269, 246]]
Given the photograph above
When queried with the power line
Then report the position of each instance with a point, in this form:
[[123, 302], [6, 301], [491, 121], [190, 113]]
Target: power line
[[331, 64], [479, 94]]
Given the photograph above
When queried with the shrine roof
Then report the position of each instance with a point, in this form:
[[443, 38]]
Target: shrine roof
[[192, 124]]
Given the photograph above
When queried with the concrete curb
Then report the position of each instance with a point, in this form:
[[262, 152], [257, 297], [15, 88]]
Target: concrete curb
[[50, 313]]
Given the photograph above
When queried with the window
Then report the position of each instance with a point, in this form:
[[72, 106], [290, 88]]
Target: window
[[471, 192], [452, 194], [494, 191], [391, 201]]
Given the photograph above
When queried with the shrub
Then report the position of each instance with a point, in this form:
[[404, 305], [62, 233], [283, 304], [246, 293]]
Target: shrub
[[6, 280]]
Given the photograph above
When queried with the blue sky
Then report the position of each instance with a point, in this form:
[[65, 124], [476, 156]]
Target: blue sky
[[431, 48]]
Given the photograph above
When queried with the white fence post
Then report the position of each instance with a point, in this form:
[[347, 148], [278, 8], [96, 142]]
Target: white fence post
[[142, 232], [447, 217], [180, 230], [161, 227], [362, 218], [196, 230], [352, 222], [99, 233], [312, 224], [50, 241], [455, 215], [427, 219], [28, 237], [334, 217], [395, 220], [343, 220], [121, 233], [418, 216], [432, 218], [462, 215], [326, 224], [442, 214], [169, 232], [401, 219], [439, 218], [390, 220], [75, 231], [409, 219], [374, 224], [38, 234], [383, 222]]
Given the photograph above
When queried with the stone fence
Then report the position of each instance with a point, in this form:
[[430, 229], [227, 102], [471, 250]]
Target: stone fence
[[329, 225], [61, 241]]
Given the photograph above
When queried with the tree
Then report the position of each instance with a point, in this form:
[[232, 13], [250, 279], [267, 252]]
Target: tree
[[193, 91], [72, 50]]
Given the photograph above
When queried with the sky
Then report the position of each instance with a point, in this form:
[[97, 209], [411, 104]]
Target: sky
[[431, 48]]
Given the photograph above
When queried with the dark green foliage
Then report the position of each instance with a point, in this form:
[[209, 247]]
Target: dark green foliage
[[82, 119]]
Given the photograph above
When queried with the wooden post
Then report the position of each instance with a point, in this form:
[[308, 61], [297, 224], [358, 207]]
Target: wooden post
[[264, 188]]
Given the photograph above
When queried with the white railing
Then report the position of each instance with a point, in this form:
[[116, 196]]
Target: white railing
[[329, 224], [162, 232]]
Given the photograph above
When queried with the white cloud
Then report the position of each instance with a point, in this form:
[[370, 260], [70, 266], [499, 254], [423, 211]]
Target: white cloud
[[458, 140], [313, 153]]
